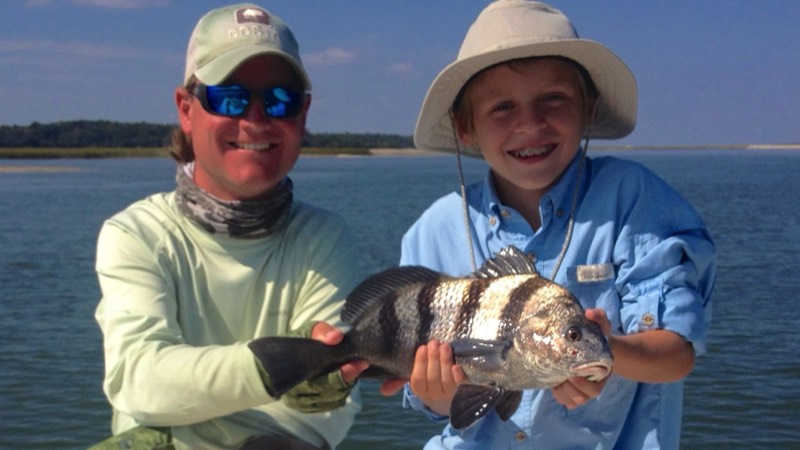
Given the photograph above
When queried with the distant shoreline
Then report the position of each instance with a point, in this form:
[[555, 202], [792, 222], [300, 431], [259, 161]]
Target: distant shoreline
[[28, 169], [418, 152], [95, 153], [699, 147]]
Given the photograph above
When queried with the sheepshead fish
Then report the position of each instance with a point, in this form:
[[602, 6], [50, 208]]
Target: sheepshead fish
[[510, 329]]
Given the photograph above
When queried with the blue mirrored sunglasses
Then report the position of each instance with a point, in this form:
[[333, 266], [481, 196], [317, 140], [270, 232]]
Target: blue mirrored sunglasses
[[233, 100]]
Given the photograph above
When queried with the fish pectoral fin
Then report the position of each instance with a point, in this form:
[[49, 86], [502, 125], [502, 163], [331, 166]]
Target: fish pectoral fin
[[489, 354], [479, 347], [473, 401]]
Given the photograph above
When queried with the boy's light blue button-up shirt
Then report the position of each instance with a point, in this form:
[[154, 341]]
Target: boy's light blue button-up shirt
[[638, 250]]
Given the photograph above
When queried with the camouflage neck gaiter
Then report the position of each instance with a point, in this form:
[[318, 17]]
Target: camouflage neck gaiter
[[249, 219]]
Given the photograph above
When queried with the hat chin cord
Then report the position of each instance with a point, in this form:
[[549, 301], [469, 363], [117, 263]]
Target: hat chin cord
[[573, 206], [464, 206]]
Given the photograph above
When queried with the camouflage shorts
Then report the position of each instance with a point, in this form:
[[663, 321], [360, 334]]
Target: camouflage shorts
[[139, 438], [144, 438]]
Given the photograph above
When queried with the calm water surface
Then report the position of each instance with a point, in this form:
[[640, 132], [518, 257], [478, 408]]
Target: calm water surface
[[745, 393]]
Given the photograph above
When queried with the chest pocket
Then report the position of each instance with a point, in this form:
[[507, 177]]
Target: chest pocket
[[594, 286]]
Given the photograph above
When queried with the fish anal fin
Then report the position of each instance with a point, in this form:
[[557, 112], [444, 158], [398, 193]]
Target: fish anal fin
[[473, 401], [508, 404], [377, 372]]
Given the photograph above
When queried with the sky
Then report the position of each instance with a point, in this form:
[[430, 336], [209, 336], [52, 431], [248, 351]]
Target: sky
[[709, 72]]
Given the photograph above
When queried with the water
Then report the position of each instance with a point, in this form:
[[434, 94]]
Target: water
[[745, 393]]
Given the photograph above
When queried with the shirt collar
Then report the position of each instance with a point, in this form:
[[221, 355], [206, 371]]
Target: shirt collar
[[490, 197], [560, 195]]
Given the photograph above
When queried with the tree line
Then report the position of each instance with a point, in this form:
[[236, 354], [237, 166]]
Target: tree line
[[107, 134]]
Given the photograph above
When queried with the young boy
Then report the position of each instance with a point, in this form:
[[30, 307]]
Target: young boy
[[522, 93]]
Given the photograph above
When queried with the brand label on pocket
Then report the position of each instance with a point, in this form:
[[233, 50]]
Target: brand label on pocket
[[595, 272]]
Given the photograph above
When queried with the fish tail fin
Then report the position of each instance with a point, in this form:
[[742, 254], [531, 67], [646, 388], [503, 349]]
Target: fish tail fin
[[288, 361]]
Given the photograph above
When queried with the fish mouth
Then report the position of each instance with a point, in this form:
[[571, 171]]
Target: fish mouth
[[593, 371]]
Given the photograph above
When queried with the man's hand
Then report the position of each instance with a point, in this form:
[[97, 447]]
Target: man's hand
[[330, 335]]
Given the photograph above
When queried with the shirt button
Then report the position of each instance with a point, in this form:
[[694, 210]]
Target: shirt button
[[505, 213], [520, 436], [648, 320], [492, 220]]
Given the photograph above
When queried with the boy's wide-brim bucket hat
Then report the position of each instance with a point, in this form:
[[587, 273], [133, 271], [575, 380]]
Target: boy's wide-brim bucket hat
[[513, 29]]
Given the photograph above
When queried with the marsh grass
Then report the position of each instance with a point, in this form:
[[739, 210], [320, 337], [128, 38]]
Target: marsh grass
[[82, 152]]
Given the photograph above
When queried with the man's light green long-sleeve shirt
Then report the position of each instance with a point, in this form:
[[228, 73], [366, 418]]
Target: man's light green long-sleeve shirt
[[180, 304]]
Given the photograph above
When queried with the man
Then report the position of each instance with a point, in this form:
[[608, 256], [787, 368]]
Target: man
[[191, 279]]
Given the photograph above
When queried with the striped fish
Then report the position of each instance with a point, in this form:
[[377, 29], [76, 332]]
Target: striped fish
[[510, 329]]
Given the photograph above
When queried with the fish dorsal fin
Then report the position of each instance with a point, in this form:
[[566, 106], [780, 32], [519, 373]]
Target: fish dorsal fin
[[509, 261], [377, 288]]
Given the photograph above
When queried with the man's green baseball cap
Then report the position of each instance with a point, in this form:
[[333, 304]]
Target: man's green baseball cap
[[226, 37]]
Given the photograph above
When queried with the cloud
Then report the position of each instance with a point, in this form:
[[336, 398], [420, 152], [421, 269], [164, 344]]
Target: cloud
[[74, 49], [109, 4], [400, 68], [329, 57], [122, 4]]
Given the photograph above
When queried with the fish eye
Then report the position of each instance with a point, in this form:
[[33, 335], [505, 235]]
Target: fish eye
[[573, 334]]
